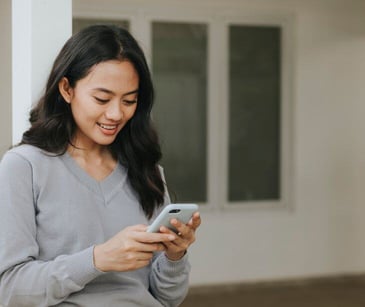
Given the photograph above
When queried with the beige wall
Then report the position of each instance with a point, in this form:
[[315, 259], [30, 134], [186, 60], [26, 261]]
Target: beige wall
[[323, 234], [5, 76]]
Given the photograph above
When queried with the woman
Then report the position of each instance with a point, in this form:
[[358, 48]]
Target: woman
[[77, 194]]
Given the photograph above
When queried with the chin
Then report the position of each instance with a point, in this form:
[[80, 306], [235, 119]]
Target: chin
[[105, 142]]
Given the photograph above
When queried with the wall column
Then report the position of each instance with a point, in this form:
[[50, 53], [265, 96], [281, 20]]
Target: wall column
[[5, 77], [39, 29]]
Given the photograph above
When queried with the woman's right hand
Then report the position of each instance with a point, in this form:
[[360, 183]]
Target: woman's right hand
[[130, 249]]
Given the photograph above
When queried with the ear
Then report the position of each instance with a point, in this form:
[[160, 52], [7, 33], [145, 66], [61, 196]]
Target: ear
[[65, 89]]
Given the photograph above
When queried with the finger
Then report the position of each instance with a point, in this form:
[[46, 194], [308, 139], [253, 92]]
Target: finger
[[147, 237], [150, 247], [183, 235], [139, 227], [178, 245], [144, 256], [164, 229], [195, 221], [182, 229], [171, 246], [156, 247], [176, 223], [138, 256]]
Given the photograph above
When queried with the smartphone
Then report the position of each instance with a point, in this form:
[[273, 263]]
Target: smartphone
[[181, 212]]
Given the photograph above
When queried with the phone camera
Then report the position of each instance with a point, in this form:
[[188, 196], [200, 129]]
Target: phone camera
[[174, 211]]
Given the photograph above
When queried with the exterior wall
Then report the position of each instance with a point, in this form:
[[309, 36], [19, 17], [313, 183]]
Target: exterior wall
[[323, 232], [5, 77], [322, 235]]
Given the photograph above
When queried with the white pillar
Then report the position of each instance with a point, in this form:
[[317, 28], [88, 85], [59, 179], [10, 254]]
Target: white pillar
[[5, 76], [39, 29]]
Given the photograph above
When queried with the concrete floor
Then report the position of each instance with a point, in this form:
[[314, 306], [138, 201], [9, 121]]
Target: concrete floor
[[341, 291]]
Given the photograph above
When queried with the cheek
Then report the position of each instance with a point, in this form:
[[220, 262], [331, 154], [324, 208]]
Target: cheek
[[131, 111], [82, 111]]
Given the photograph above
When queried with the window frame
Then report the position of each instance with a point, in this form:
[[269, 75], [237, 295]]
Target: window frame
[[286, 24], [218, 20]]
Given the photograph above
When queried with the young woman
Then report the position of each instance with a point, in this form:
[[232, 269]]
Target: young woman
[[77, 193]]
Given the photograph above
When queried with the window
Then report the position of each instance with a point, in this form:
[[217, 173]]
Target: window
[[254, 113], [179, 53], [223, 101]]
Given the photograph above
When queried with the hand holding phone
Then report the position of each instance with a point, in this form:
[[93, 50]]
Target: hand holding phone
[[181, 212]]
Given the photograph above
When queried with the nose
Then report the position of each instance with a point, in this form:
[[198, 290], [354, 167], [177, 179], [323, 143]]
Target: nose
[[114, 111]]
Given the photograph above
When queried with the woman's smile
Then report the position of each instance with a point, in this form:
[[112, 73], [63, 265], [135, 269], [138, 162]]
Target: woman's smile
[[108, 129]]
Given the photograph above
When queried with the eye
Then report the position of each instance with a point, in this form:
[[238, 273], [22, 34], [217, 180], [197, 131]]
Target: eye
[[129, 102], [101, 100]]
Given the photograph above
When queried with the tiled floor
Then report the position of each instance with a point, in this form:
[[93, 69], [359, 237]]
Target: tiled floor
[[324, 292]]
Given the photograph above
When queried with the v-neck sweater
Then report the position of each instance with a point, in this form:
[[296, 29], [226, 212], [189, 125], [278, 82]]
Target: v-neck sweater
[[106, 188], [52, 214]]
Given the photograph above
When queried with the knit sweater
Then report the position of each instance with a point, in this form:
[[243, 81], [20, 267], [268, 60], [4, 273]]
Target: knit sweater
[[52, 214]]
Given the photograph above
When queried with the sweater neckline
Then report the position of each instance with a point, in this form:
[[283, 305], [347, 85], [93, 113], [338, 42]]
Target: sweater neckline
[[105, 188]]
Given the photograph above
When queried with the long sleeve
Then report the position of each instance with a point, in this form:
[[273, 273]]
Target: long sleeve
[[25, 280], [169, 280]]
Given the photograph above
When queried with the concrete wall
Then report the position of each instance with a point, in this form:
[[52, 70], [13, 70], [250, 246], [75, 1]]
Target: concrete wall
[[5, 75], [323, 234]]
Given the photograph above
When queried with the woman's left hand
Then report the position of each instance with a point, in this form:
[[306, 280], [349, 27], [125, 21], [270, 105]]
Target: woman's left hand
[[176, 249]]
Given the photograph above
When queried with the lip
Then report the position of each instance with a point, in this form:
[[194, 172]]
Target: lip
[[108, 129]]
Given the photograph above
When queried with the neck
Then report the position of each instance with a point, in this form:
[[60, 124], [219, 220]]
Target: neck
[[95, 155], [97, 163]]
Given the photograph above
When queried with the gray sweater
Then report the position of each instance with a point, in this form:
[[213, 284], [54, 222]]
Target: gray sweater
[[52, 213]]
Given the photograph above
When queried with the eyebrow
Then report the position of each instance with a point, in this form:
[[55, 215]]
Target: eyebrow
[[101, 89]]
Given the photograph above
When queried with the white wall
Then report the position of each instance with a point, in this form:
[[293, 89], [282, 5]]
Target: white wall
[[5, 76], [323, 234], [39, 30]]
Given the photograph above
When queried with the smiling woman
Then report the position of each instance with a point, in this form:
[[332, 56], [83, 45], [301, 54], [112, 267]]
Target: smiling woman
[[80, 189], [102, 103]]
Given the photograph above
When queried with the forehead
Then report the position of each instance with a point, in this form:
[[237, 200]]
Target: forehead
[[114, 74]]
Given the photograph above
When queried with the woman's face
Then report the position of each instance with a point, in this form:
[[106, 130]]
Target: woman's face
[[102, 102]]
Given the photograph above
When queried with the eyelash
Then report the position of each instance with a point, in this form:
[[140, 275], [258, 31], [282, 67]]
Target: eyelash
[[128, 102], [101, 100]]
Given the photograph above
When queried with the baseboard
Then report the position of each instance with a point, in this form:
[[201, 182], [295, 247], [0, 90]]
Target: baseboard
[[298, 281]]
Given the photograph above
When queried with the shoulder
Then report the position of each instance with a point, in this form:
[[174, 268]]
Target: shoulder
[[25, 155], [27, 152]]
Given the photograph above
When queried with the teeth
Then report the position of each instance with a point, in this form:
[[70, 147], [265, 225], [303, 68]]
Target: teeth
[[108, 127]]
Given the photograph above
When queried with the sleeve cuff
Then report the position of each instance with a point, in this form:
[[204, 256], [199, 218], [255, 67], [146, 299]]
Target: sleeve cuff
[[171, 267], [81, 268]]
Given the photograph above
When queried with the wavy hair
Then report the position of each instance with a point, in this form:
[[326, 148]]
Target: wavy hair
[[136, 146]]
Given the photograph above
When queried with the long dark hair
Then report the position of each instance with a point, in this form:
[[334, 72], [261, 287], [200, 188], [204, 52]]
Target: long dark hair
[[136, 146]]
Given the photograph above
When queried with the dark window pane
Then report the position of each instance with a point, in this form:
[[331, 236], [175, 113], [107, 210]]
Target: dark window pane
[[179, 53], [254, 117]]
